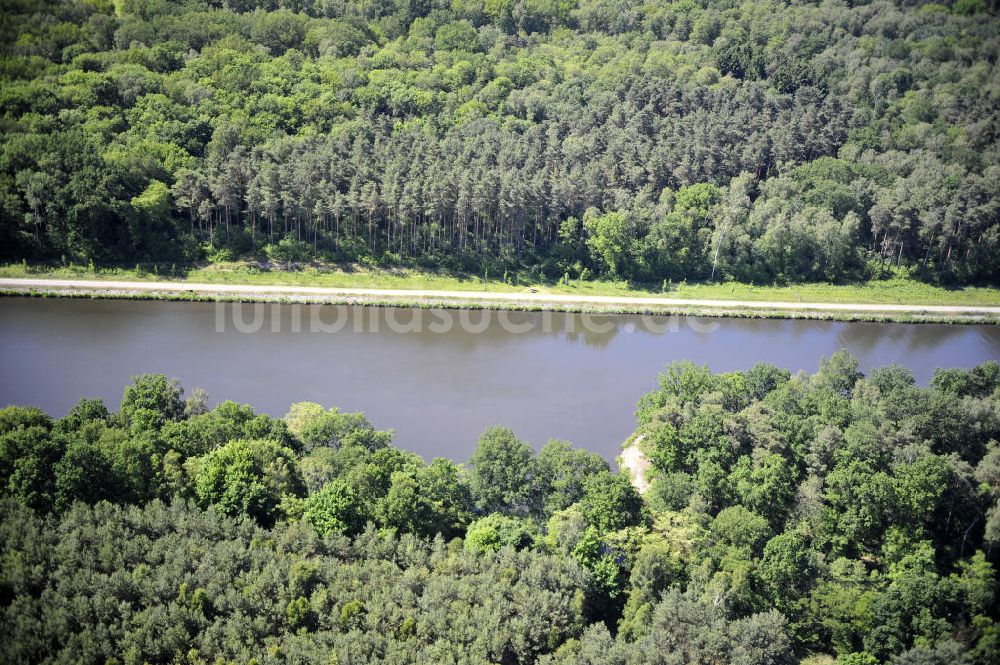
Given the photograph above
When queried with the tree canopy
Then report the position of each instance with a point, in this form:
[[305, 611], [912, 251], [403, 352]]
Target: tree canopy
[[649, 141], [788, 515]]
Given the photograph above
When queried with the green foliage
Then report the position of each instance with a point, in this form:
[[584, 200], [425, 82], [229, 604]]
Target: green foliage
[[316, 427], [28, 455], [765, 485], [175, 575], [334, 38], [609, 239], [456, 36], [278, 30], [563, 471], [248, 478], [683, 381], [739, 527], [334, 509], [980, 381], [851, 517], [671, 491], [788, 568], [839, 372], [153, 201], [491, 533], [406, 508], [504, 473], [442, 485], [657, 567], [199, 433], [646, 143], [611, 502], [592, 553], [151, 400]]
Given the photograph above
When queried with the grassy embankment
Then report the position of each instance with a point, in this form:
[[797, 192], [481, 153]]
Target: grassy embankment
[[895, 290]]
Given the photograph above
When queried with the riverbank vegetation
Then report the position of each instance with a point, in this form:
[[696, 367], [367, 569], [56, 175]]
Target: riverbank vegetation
[[898, 289], [789, 517], [649, 142]]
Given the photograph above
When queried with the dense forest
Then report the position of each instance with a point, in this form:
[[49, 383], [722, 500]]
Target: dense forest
[[652, 141], [790, 517]]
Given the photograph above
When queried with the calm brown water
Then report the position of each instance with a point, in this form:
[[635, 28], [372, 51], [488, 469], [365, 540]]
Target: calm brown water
[[438, 385]]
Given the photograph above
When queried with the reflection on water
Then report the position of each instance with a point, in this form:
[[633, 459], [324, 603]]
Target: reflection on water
[[437, 377], [912, 338]]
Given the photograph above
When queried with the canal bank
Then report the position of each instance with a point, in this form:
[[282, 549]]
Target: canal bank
[[527, 300]]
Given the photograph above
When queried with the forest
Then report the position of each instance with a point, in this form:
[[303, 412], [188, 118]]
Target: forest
[[760, 141], [827, 518]]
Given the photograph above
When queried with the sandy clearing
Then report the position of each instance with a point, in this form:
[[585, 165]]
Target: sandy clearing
[[634, 462]]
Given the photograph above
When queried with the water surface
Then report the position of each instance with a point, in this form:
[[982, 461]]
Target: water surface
[[567, 376]]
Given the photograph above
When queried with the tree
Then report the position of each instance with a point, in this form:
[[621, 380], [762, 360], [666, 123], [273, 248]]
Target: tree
[[686, 629], [28, 456], [278, 30], [671, 492], [82, 474], [563, 471], [682, 380], [152, 396], [456, 36], [406, 508], [320, 596], [788, 568], [451, 502], [334, 38], [610, 240], [493, 532], [765, 485], [504, 474], [762, 378], [862, 504], [610, 502], [839, 372], [248, 478], [980, 381], [762, 158], [315, 427], [334, 509], [741, 528], [790, 517], [657, 567], [151, 226]]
